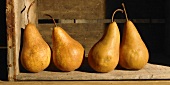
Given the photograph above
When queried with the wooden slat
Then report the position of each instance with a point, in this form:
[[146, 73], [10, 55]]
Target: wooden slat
[[72, 9], [10, 28], [19, 22], [157, 20], [150, 71], [156, 82], [97, 8], [149, 21]]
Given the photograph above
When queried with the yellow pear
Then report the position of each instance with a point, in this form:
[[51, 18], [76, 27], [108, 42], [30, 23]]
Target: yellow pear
[[67, 53], [133, 51], [36, 53], [104, 55]]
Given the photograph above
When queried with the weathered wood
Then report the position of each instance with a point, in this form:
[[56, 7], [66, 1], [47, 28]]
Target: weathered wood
[[10, 27], [150, 71], [18, 21], [147, 21], [32, 12], [156, 82], [72, 9]]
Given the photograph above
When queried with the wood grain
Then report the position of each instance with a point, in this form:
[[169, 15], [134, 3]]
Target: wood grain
[[156, 82], [72, 9], [150, 71]]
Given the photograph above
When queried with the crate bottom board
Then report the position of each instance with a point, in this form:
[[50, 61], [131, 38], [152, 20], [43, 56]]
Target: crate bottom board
[[162, 82], [150, 71]]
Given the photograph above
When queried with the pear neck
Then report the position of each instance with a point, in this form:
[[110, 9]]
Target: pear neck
[[60, 34], [111, 33]]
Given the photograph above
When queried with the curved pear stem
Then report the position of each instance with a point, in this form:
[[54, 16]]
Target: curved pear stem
[[29, 10], [52, 19], [125, 11], [115, 13]]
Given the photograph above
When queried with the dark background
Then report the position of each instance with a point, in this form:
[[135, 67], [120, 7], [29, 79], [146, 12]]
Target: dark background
[[3, 41], [155, 35]]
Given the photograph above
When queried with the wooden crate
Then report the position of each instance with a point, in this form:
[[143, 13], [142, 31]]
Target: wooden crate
[[85, 21]]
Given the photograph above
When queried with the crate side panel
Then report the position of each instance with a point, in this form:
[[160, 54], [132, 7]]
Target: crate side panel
[[72, 9], [10, 28]]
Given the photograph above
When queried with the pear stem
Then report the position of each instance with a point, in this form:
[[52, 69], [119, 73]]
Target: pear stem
[[52, 19], [125, 11], [29, 10], [115, 13]]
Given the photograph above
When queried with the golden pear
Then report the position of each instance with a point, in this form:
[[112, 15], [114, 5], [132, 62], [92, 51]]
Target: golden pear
[[133, 51], [36, 53], [104, 55], [67, 52]]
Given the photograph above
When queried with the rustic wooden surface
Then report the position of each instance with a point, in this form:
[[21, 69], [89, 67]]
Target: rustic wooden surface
[[72, 9], [150, 71], [156, 82], [10, 28]]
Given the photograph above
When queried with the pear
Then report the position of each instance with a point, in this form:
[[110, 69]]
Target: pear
[[67, 52], [133, 51], [36, 53], [104, 55]]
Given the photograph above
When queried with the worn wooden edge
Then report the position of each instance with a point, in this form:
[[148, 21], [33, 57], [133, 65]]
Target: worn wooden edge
[[13, 20], [10, 16], [19, 22], [154, 82], [149, 72]]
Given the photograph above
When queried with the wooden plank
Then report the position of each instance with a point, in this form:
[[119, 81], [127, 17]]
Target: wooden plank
[[156, 82], [144, 21], [150, 71], [72, 9], [18, 22], [10, 28]]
